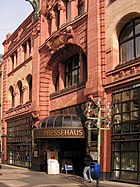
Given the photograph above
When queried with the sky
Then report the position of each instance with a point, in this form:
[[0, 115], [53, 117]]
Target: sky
[[12, 14]]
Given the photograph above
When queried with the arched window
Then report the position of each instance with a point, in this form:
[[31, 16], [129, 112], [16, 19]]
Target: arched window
[[30, 88], [129, 41], [29, 82], [20, 92], [72, 71], [12, 96]]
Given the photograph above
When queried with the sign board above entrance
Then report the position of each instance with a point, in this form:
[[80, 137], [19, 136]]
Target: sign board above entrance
[[59, 133]]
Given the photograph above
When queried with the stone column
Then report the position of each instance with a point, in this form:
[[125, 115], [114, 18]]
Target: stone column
[[25, 90], [81, 67], [53, 19], [22, 54], [15, 60], [27, 52], [61, 76], [62, 9], [74, 9], [18, 56], [17, 98], [85, 5]]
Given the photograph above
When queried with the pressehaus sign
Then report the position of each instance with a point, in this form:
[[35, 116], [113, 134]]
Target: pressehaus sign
[[59, 133]]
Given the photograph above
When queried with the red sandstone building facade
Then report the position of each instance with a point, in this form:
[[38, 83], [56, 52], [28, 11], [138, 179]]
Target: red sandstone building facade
[[60, 57]]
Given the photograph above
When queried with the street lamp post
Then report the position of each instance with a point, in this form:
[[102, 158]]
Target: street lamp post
[[95, 121]]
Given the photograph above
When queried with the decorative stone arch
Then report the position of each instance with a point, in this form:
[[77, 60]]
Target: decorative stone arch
[[124, 20], [58, 59]]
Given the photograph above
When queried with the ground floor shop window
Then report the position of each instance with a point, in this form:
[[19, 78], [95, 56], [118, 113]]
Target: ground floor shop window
[[126, 134], [19, 136]]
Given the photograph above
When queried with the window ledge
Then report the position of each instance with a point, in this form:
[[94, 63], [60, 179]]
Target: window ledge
[[20, 66], [132, 61], [68, 89]]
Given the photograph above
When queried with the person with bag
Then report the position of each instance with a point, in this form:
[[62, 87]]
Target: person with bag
[[87, 160]]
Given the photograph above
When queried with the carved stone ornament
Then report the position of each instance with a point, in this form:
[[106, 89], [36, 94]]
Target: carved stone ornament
[[48, 6], [35, 114], [57, 42], [61, 5], [36, 30], [60, 39]]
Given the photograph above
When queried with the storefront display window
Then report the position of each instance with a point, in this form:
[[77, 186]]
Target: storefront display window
[[19, 141], [126, 134]]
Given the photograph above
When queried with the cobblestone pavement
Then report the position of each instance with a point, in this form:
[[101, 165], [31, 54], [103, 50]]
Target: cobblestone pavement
[[11, 176]]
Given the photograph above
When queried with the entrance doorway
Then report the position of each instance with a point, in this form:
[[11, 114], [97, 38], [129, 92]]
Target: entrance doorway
[[69, 150]]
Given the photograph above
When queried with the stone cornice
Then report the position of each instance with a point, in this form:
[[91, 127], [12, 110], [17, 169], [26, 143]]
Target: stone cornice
[[19, 110]]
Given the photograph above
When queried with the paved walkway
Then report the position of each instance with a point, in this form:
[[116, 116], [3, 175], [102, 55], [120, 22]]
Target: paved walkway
[[11, 176]]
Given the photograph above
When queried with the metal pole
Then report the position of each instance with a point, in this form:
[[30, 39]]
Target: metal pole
[[97, 182], [99, 138], [89, 137], [99, 132]]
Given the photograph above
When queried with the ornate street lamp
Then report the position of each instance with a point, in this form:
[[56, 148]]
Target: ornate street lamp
[[97, 121]]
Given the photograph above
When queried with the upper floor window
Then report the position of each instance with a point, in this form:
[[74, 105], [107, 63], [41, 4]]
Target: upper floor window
[[27, 49], [80, 7], [30, 86], [12, 95], [72, 72], [57, 15], [68, 10], [29, 44], [20, 87], [14, 60], [57, 82], [129, 41]]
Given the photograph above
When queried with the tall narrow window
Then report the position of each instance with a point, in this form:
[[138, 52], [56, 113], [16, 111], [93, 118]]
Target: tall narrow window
[[29, 43], [80, 7], [29, 84], [20, 92], [57, 13], [57, 83], [12, 61], [30, 89], [25, 51], [68, 10], [12, 97], [72, 72], [129, 41]]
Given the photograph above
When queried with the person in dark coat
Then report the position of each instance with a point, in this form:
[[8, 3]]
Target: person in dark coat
[[86, 173]]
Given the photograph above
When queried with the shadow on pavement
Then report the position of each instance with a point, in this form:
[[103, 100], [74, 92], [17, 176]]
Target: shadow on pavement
[[76, 179]]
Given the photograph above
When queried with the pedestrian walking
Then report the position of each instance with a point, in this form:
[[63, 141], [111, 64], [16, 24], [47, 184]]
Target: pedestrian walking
[[87, 160]]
